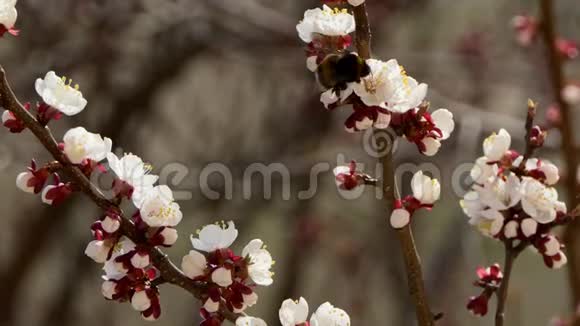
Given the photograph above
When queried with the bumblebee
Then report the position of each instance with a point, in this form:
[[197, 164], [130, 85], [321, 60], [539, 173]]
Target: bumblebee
[[339, 69]]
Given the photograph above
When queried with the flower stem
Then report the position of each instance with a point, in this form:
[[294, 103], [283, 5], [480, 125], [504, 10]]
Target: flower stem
[[410, 254], [510, 256]]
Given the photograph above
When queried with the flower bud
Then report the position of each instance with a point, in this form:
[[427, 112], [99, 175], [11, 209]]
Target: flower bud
[[110, 224], [140, 301], [23, 181], [511, 229], [529, 227], [194, 264], [140, 260], [211, 306], [222, 277], [109, 289], [400, 218], [98, 251], [169, 236], [478, 305]]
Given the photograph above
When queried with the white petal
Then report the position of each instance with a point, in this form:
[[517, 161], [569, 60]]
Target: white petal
[[400, 218]]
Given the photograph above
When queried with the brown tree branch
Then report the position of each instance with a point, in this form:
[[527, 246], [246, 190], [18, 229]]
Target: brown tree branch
[[511, 254], [572, 232], [410, 254], [167, 269]]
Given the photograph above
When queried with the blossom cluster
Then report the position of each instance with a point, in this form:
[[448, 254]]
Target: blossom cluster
[[295, 313], [513, 198], [380, 93], [230, 279]]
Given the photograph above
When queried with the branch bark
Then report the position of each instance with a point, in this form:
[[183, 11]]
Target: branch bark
[[169, 272], [555, 65], [510, 256], [411, 256]]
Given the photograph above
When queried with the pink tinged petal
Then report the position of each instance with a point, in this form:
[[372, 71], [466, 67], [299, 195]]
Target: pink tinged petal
[[327, 315], [293, 313], [22, 182], [356, 3], [211, 306], [529, 227], [109, 289], [511, 229], [140, 301], [496, 226], [98, 251], [443, 119], [383, 120], [222, 277], [194, 264], [311, 63], [431, 146], [552, 246], [110, 225], [250, 299], [250, 321], [140, 261], [400, 218], [169, 236], [559, 260]]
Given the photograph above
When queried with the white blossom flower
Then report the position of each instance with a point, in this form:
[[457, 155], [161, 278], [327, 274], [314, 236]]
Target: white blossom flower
[[325, 21], [425, 189], [490, 227], [140, 301], [482, 171], [472, 206], [549, 170], [22, 182], [79, 145], [222, 277], [194, 264], [8, 13], [131, 169], [495, 146], [328, 315], [500, 194], [250, 321], [293, 313], [58, 94], [400, 218], [213, 237], [260, 262], [158, 208], [539, 201], [98, 250], [388, 86], [114, 270]]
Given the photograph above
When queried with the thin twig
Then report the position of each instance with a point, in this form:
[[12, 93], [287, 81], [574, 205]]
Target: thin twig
[[548, 20], [167, 269], [410, 254], [510, 256]]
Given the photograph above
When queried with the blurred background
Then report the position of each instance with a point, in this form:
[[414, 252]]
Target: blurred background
[[194, 82]]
